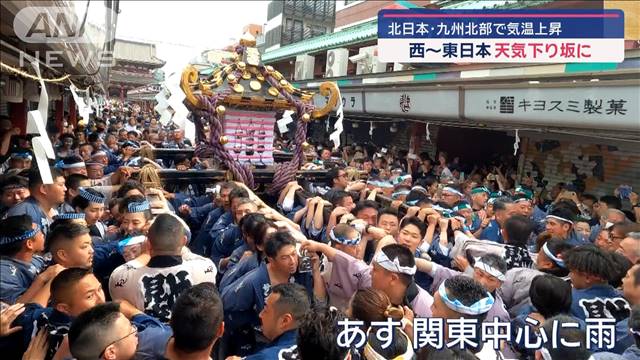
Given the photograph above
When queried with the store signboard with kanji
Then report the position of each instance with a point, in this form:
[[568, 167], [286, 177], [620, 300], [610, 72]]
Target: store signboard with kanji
[[595, 107], [500, 36]]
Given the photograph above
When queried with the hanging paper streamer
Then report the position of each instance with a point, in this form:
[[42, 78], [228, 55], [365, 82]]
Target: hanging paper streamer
[[371, 129], [171, 107], [516, 144], [42, 147], [286, 120], [84, 109], [428, 133], [338, 126]]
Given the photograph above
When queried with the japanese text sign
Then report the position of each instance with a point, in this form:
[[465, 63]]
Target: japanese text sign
[[500, 36]]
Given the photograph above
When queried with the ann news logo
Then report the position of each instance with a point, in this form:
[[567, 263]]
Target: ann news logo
[[50, 24]]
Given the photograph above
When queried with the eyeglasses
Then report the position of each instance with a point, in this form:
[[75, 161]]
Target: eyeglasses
[[134, 331]]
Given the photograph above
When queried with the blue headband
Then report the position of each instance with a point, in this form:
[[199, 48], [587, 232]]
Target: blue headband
[[26, 235], [91, 197], [480, 307], [69, 216], [345, 241], [137, 207], [552, 257]]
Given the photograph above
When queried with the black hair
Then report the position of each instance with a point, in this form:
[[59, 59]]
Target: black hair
[[404, 257], [338, 197], [129, 185], [277, 241], [365, 204], [413, 220], [568, 207], [466, 290], [621, 266], [416, 196], [14, 226], [518, 229], [634, 321], [293, 300], [64, 231], [86, 334], [611, 201], [495, 261], [255, 225], [317, 334], [387, 211], [550, 295], [397, 347], [166, 233], [556, 247], [564, 213], [196, 317], [591, 260], [72, 159], [431, 353], [589, 197], [332, 174], [73, 181], [238, 192], [12, 181], [569, 334], [82, 203], [93, 137], [35, 179], [429, 181], [501, 203], [65, 281]]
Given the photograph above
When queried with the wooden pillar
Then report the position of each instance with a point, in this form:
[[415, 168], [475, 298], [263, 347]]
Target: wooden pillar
[[59, 106], [18, 113], [72, 112]]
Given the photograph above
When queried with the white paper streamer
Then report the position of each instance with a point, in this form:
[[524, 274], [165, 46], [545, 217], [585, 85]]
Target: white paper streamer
[[171, 107], [84, 109], [428, 133], [286, 120], [371, 129], [338, 126], [516, 144], [42, 147]]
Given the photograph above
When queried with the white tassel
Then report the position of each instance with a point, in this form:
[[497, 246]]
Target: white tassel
[[428, 133], [516, 144]]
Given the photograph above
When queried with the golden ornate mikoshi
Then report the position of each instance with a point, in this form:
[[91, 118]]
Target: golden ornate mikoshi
[[273, 91], [259, 77], [255, 85], [246, 75], [284, 82], [305, 146], [269, 68], [241, 65], [238, 88], [220, 110], [306, 118], [223, 140], [232, 78]]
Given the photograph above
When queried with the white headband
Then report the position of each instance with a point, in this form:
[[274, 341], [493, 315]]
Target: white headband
[[560, 218], [394, 266], [73, 166], [490, 270], [552, 257], [453, 191]]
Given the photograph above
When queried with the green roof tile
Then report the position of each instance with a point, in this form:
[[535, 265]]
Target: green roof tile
[[351, 35]]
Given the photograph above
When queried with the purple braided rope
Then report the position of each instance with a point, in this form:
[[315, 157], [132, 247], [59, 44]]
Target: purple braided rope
[[240, 172], [287, 172]]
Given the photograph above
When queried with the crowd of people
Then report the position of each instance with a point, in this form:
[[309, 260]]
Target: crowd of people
[[394, 256]]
